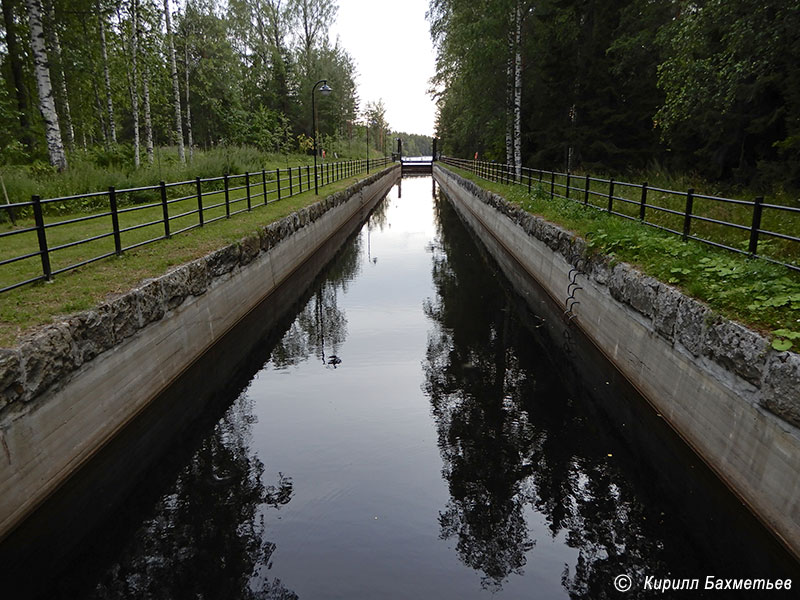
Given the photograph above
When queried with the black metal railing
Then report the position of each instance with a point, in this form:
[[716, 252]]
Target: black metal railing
[[40, 248], [754, 228]]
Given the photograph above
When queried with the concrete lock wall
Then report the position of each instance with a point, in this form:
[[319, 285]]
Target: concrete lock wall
[[721, 386], [70, 388]]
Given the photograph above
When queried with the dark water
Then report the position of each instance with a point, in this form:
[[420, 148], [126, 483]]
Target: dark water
[[413, 430]]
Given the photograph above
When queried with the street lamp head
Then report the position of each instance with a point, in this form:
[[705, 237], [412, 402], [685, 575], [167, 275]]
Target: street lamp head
[[325, 89]]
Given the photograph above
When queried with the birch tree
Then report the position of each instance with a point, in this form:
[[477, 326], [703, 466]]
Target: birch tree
[[47, 105], [188, 106], [101, 26], [144, 43], [514, 91], [148, 121], [58, 65], [175, 85], [517, 99], [134, 80]]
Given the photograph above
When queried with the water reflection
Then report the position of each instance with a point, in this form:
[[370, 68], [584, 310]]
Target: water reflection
[[209, 537], [522, 441], [205, 539], [320, 328]]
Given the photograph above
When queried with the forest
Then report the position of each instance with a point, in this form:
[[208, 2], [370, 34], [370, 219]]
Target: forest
[[709, 87], [129, 82]]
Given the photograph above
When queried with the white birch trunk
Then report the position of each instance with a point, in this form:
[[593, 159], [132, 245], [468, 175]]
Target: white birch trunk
[[134, 83], [509, 105], [148, 122], [517, 134], [47, 105], [109, 102], [188, 106], [175, 86], [55, 46]]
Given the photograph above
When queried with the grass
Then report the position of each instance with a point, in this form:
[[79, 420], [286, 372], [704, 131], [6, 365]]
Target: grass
[[760, 294], [665, 208], [97, 169], [28, 307]]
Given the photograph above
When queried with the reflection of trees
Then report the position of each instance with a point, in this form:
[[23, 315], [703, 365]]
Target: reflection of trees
[[321, 325], [204, 539], [510, 437], [379, 216], [474, 382]]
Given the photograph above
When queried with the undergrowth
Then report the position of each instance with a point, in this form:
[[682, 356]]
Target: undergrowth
[[758, 293], [95, 171]]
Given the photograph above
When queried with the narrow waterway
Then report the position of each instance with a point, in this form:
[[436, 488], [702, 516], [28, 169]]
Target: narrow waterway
[[416, 430]]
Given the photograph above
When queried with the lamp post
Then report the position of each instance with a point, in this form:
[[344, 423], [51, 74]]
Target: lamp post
[[324, 90], [369, 123]]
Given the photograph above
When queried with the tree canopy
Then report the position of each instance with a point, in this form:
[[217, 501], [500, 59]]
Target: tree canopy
[[125, 73], [711, 86]]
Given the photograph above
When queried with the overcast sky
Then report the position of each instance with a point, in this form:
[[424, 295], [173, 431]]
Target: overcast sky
[[390, 43]]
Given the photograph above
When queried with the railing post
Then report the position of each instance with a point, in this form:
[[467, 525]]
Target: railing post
[[291, 191], [44, 252], [586, 191], [687, 215], [264, 184], [227, 197], [567, 190], [643, 202], [611, 195], [756, 225], [112, 201], [529, 181], [308, 177], [247, 185], [278, 178], [199, 200], [552, 184], [165, 208]]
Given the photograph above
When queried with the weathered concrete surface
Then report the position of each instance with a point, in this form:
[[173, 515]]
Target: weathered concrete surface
[[720, 385], [70, 388]]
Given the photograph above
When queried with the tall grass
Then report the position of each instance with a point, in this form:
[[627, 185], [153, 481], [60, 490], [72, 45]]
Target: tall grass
[[96, 170]]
